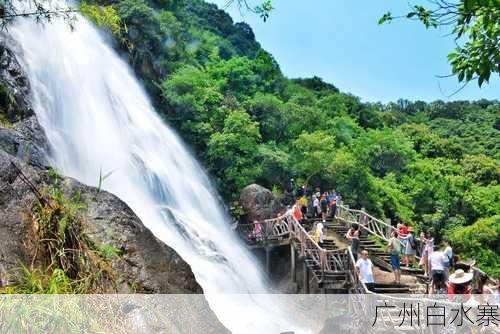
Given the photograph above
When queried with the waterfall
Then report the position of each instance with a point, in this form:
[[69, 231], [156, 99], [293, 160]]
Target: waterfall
[[98, 117]]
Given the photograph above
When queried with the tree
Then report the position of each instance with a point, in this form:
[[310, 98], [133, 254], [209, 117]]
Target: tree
[[313, 154], [232, 153], [353, 181], [384, 151], [269, 111], [195, 100], [480, 241], [482, 169], [276, 167], [392, 199]]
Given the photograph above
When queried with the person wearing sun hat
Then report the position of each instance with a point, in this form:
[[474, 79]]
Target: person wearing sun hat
[[459, 283]]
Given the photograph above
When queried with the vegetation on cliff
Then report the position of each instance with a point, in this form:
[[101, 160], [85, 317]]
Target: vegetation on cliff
[[62, 259]]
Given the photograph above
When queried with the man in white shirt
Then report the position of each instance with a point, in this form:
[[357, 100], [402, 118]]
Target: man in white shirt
[[316, 206], [364, 268], [320, 228], [437, 262]]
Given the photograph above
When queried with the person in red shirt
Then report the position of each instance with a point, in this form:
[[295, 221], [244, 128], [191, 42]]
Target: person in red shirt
[[402, 234], [297, 212], [403, 230]]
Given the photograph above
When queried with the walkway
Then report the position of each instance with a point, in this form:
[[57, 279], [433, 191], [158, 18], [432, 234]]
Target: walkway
[[331, 265]]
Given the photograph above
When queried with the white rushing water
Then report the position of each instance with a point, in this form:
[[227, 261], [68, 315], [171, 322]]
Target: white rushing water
[[98, 117]]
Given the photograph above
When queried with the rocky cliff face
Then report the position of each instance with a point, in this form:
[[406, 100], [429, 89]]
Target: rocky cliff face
[[145, 264]]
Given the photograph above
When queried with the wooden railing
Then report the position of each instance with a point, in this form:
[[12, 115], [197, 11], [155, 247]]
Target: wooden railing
[[380, 228], [265, 231], [327, 260], [371, 225], [287, 227]]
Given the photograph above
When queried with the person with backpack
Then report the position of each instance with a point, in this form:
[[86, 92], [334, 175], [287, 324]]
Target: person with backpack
[[410, 250], [394, 248]]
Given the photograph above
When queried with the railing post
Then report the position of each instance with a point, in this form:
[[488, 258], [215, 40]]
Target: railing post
[[268, 259], [388, 228], [305, 277], [293, 271]]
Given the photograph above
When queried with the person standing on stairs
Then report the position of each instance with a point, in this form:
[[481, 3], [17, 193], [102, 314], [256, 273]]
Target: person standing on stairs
[[410, 250], [324, 207], [316, 206], [394, 248], [437, 270], [428, 247], [403, 233], [333, 204], [364, 268], [318, 234], [352, 236], [297, 211]]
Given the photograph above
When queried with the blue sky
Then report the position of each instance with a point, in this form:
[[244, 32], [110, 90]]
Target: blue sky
[[340, 41]]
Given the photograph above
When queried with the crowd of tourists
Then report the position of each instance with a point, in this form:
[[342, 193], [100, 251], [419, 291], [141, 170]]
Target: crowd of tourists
[[319, 205], [437, 263]]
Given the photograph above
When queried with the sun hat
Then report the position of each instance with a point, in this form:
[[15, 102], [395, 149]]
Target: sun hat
[[460, 277]]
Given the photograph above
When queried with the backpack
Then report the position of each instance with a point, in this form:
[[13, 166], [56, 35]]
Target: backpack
[[413, 242]]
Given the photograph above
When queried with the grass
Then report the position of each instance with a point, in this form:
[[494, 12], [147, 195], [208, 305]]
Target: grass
[[378, 241], [108, 252], [62, 258], [4, 121], [69, 314], [39, 281]]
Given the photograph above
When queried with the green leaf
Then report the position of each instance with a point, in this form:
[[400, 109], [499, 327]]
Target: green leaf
[[387, 17]]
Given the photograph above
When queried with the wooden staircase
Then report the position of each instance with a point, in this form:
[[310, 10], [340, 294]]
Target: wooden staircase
[[329, 281], [381, 258]]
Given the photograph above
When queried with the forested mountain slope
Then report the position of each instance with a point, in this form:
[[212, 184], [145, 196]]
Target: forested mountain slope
[[435, 165]]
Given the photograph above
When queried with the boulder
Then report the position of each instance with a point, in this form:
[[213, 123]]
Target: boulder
[[259, 203], [145, 264]]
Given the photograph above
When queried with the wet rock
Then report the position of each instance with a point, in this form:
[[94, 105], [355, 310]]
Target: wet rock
[[259, 203], [14, 88], [26, 141]]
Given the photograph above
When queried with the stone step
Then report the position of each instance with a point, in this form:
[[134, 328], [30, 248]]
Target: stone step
[[385, 290], [391, 288], [337, 291]]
